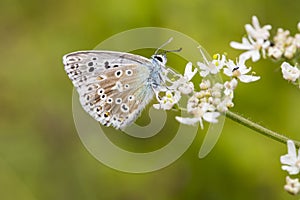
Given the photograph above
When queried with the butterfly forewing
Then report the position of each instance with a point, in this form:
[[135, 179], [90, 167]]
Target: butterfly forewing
[[113, 87], [83, 64]]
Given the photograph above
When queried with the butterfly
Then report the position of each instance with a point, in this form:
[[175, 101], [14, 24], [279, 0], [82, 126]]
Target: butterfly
[[114, 87]]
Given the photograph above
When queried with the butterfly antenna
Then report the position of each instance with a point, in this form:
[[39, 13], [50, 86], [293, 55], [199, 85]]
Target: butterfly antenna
[[164, 44], [175, 50]]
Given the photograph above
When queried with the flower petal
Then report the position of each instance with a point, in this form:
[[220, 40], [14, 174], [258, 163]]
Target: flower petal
[[248, 78], [187, 120], [227, 72], [211, 117], [287, 159], [292, 170], [188, 72], [202, 66], [291, 148], [253, 54], [204, 73], [255, 22], [245, 45]]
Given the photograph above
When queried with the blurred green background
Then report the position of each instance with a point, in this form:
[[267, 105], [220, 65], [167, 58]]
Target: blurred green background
[[41, 155]]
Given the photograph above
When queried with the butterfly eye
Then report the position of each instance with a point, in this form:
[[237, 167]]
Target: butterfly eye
[[160, 58]]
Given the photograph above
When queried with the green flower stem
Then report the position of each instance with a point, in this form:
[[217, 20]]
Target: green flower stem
[[258, 128]]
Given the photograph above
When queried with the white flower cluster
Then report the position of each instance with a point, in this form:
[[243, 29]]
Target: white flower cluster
[[257, 41], [204, 104], [283, 46], [291, 164], [213, 98]]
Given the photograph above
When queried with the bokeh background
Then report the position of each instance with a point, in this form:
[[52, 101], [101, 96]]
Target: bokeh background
[[41, 155]]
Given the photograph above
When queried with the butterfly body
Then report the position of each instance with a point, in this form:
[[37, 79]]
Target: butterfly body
[[114, 87]]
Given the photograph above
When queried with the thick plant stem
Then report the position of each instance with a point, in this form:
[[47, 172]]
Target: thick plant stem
[[258, 128]]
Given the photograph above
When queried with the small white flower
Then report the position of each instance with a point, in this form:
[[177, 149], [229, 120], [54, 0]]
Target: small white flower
[[253, 48], [292, 186], [257, 41], [200, 109], [207, 69], [290, 51], [205, 84], [186, 88], [207, 116], [275, 52], [225, 104], [256, 31], [291, 161], [284, 44], [219, 61], [281, 37], [289, 72], [239, 71], [298, 26], [217, 86], [168, 101], [216, 93], [230, 86], [193, 102], [184, 85]]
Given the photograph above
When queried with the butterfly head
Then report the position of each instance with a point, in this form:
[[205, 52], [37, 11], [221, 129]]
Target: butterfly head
[[162, 58]]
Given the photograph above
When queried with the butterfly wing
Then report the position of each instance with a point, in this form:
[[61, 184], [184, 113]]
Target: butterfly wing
[[113, 86]]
